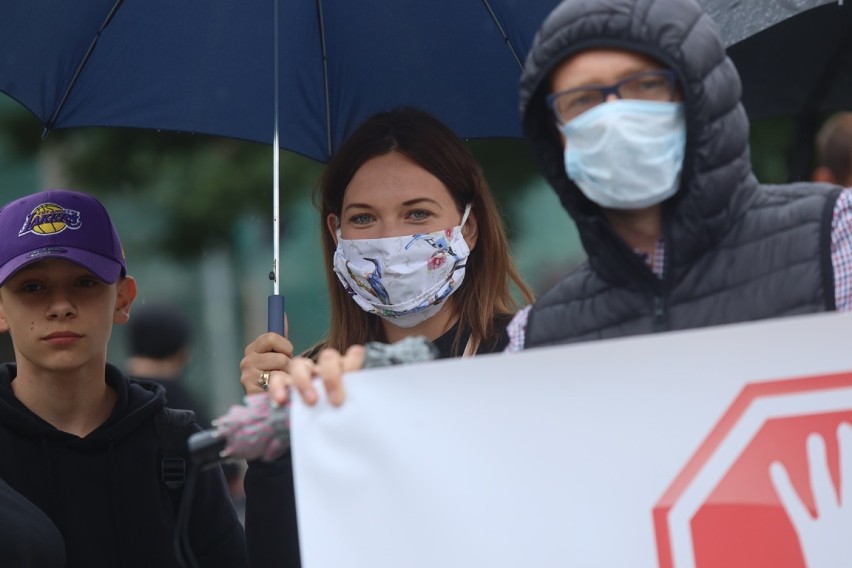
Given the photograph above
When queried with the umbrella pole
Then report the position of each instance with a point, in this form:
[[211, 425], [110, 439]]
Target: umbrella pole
[[275, 303]]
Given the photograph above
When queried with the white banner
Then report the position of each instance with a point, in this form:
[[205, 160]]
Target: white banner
[[697, 448]]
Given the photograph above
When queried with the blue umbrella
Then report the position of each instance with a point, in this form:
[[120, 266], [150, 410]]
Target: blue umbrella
[[206, 66], [212, 67]]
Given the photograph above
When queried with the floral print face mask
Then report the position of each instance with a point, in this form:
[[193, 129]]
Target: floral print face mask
[[403, 279]]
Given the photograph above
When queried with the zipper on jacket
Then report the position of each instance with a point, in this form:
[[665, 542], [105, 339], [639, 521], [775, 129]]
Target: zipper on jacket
[[660, 314], [663, 284]]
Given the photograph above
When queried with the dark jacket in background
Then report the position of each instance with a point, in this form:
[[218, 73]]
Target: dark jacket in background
[[180, 397], [105, 492], [735, 250], [27, 537]]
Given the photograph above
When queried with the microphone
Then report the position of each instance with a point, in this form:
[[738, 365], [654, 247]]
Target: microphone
[[260, 429]]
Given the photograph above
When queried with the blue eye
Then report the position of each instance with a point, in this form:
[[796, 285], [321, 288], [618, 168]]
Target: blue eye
[[419, 214], [361, 219]]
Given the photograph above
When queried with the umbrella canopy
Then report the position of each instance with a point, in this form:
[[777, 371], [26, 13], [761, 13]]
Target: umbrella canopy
[[798, 65], [739, 20], [803, 63], [207, 67]]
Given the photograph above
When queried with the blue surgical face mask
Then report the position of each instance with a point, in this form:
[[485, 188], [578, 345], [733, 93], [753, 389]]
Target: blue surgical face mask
[[626, 154]]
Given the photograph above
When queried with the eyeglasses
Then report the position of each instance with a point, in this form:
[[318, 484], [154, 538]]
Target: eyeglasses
[[658, 85]]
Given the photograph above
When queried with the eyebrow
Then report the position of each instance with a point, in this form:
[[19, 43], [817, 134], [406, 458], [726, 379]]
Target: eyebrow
[[634, 70], [409, 203]]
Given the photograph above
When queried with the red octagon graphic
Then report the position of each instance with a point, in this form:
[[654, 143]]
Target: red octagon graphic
[[722, 510]]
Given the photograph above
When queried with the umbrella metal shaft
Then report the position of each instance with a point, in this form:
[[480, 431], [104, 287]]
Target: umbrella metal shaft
[[275, 305]]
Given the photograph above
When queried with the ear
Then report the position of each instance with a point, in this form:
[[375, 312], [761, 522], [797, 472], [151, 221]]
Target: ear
[[822, 173], [126, 294], [4, 325], [470, 231], [331, 223]]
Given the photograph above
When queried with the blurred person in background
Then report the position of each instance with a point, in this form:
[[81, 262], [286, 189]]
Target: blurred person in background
[[160, 349], [834, 150], [159, 340]]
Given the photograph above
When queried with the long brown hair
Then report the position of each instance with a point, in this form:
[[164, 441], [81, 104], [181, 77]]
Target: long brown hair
[[485, 291]]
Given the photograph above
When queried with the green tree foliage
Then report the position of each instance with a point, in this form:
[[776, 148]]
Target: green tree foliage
[[199, 185]]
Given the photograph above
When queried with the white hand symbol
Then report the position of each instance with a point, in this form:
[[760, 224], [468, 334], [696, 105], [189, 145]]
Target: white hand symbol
[[826, 540]]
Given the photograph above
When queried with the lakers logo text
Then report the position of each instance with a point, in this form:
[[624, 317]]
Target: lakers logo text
[[49, 219]]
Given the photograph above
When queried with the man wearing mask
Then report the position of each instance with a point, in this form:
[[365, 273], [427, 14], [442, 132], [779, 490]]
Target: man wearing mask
[[633, 111]]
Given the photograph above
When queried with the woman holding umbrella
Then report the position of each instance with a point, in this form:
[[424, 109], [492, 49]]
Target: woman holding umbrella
[[414, 246]]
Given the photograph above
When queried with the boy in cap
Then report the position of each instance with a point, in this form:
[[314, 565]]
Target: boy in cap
[[633, 111], [80, 440]]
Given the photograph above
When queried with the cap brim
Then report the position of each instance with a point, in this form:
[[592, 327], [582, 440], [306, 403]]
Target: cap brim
[[104, 268]]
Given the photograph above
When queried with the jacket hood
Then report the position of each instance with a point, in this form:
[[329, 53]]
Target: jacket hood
[[136, 402], [717, 166]]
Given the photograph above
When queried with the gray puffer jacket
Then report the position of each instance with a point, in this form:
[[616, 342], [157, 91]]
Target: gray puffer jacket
[[735, 250]]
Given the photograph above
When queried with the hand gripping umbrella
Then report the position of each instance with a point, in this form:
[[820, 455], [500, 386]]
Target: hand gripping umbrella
[[260, 430]]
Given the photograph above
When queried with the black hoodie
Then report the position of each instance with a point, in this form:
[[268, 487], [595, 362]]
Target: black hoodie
[[104, 492], [735, 250]]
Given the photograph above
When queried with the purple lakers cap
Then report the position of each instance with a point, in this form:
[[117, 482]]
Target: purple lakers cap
[[61, 224]]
